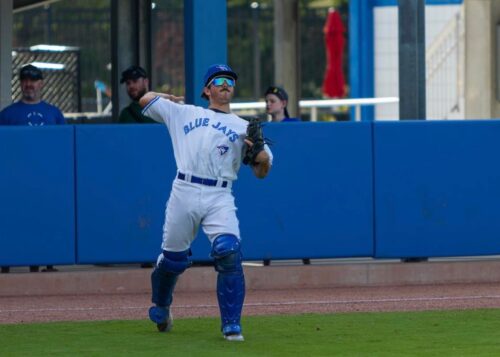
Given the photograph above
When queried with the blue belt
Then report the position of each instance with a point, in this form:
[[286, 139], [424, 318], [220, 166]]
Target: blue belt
[[203, 181]]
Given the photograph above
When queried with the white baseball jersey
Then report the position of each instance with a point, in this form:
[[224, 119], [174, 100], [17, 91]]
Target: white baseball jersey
[[207, 144]]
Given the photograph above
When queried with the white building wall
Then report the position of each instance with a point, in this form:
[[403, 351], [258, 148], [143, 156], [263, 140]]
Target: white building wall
[[386, 50]]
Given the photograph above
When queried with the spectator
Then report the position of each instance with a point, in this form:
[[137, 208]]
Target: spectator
[[276, 102], [137, 84], [33, 111]]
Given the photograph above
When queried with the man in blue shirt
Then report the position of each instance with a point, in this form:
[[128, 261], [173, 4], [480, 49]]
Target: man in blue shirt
[[31, 109]]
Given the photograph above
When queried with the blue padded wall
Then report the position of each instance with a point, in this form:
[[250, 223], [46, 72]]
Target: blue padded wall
[[317, 200], [307, 207], [437, 186], [124, 178], [37, 215], [429, 189]]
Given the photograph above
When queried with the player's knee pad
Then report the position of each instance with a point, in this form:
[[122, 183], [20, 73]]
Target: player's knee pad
[[164, 277], [173, 262], [226, 251]]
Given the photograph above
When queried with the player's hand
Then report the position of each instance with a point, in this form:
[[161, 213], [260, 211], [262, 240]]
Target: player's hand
[[262, 165]]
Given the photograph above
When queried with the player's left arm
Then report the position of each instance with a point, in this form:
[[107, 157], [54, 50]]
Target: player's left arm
[[262, 163]]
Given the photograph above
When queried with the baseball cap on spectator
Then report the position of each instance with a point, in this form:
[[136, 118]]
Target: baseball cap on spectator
[[31, 72], [281, 94], [133, 72], [277, 91], [217, 70]]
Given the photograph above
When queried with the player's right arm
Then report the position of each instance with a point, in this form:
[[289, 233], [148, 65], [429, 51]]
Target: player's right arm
[[149, 96], [160, 107]]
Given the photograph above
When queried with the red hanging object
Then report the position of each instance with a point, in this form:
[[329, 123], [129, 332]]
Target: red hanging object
[[334, 81]]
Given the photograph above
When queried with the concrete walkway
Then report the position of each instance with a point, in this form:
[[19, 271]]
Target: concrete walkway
[[131, 279]]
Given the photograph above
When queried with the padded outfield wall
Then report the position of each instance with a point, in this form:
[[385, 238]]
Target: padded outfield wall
[[89, 194]]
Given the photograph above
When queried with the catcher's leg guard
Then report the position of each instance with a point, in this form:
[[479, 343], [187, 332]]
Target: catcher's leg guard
[[163, 279], [226, 250]]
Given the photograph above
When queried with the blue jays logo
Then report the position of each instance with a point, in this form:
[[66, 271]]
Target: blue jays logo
[[222, 149]]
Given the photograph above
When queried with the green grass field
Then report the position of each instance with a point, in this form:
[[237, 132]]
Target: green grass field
[[433, 333]]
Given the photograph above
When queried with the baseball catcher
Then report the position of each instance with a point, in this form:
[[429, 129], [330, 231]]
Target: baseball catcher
[[209, 145]]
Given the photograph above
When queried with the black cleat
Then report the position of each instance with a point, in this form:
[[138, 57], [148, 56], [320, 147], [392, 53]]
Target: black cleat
[[162, 317]]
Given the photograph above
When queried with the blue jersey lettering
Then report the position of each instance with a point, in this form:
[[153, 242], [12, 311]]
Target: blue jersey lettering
[[198, 122], [233, 137], [223, 129]]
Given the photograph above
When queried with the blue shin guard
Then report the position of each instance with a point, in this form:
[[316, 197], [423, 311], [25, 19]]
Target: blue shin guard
[[231, 294], [230, 282], [162, 284], [163, 279]]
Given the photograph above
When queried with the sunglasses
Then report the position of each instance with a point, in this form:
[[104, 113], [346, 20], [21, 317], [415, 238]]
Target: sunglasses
[[220, 81]]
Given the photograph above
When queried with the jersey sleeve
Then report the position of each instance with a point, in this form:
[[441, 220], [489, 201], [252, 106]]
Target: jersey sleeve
[[168, 112], [161, 110], [269, 152]]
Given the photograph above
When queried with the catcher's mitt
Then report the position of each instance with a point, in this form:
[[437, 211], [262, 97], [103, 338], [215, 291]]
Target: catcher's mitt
[[256, 136]]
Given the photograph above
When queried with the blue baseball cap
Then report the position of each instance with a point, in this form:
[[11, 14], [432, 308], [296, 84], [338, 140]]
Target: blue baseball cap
[[217, 70]]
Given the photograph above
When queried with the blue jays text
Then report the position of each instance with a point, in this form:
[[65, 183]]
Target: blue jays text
[[201, 122]]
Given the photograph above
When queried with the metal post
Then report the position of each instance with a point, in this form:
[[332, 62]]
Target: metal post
[[256, 50], [314, 114], [357, 115], [497, 61], [123, 49], [144, 37], [287, 51], [6, 8], [99, 100], [412, 59]]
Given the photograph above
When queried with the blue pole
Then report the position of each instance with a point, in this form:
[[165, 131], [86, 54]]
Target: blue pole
[[361, 54], [205, 43]]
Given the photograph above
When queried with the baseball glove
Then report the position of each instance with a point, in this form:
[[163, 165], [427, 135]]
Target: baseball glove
[[256, 136]]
